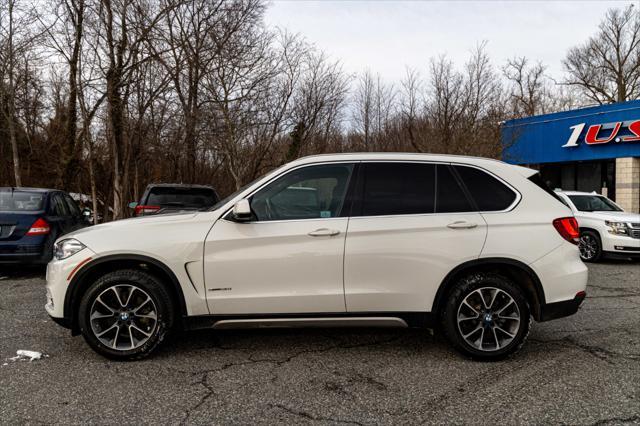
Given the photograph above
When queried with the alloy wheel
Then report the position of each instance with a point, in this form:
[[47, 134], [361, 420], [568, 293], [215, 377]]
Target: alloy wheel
[[488, 319], [123, 317], [588, 246]]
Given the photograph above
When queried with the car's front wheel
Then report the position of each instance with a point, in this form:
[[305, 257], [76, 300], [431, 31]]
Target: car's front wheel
[[590, 246], [125, 314], [486, 316]]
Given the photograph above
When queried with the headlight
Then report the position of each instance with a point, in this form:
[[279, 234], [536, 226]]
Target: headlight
[[618, 228], [67, 248]]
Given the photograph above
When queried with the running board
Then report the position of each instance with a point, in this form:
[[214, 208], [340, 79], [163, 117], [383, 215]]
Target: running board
[[310, 322]]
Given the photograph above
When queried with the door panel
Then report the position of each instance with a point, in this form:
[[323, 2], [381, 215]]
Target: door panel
[[275, 267], [396, 263], [289, 257]]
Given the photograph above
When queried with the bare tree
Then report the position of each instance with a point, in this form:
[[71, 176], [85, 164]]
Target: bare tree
[[373, 106], [17, 44], [122, 29], [528, 89], [446, 104], [64, 28], [607, 67]]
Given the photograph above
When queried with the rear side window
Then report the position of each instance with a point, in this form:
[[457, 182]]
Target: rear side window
[[181, 197], [537, 179], [21, 201], [451, 197], [488, 192], [398, 188]]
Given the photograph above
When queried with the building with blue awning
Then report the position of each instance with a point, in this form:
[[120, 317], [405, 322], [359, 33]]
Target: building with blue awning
[[588, 149]]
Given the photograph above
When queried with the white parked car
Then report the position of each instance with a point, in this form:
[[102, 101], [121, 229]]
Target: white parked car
[[604, 227], [472, 245]]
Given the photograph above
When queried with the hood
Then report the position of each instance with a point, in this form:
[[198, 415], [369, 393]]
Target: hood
[[128, 225], [611, 216]]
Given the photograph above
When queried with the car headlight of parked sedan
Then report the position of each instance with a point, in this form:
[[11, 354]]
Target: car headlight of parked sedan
[[67, 248], [618, 228]]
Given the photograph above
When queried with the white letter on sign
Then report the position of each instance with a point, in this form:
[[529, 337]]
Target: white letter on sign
[[573, 139]]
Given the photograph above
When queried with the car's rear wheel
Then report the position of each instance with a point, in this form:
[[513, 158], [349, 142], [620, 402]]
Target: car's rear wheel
[[486, 316], [590, 246], [125, 314]]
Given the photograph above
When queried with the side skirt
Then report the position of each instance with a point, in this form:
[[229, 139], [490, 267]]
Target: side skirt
[[306, 320]]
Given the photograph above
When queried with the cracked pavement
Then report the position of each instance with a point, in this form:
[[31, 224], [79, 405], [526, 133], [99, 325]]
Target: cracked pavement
[[584, 369]]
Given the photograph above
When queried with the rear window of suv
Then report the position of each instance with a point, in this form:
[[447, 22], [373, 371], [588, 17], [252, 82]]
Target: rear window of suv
[[21, 201], [488, 192], [181, 197]]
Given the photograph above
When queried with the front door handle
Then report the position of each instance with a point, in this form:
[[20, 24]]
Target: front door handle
[[462, 224], [324, 232]]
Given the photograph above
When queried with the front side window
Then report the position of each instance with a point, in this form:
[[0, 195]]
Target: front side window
[[398, 188], [488, 192], [313, 192], [593, 203]]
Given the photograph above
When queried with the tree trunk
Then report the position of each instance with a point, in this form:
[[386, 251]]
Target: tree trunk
[[14, 148]]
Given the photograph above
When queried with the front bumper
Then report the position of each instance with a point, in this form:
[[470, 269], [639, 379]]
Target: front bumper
[[59, 275], [621, 244], [550, 311]]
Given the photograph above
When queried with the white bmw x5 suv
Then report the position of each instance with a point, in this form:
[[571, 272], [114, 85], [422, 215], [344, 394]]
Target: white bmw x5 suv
[[472, 246]]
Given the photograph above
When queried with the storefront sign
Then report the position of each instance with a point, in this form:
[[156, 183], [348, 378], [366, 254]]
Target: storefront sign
[[595, 133], [604, 133]]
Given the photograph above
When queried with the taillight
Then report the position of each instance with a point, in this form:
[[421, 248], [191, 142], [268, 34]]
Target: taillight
[[568, 228], [39, 227], [142, 210]]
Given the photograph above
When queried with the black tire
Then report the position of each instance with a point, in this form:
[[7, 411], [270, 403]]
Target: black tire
[[590, 246], [469, 286], [160, 305]]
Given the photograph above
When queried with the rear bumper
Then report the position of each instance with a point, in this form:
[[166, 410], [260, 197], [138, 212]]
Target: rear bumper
[[35, 257], [550, 311], [26, 250]]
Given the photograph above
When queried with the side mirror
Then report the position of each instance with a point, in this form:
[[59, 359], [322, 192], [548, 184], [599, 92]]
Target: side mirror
[[133, 205], [86, 216], [242, 211]]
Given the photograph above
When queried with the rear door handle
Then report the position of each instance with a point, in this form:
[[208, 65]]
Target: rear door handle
[[324, 232], [462, 224]]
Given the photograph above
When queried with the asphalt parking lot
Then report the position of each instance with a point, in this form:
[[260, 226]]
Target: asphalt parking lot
[[583, 369]]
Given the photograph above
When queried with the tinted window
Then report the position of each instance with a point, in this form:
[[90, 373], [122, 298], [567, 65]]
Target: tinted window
[[312, 192], [488, 192], [71, 204], [451, 197], [398, 188], [181, 197], [17, 201], [537, 179], [593, 203], [58, 206]]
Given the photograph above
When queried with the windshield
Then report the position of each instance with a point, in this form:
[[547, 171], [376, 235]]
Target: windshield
[[226, 199], [593, 203], [21, 201]]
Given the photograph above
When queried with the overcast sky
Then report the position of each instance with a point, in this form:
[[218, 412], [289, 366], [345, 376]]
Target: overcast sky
[[385, 36]]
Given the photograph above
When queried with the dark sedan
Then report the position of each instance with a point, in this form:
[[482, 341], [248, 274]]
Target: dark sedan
[[31, 219]]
